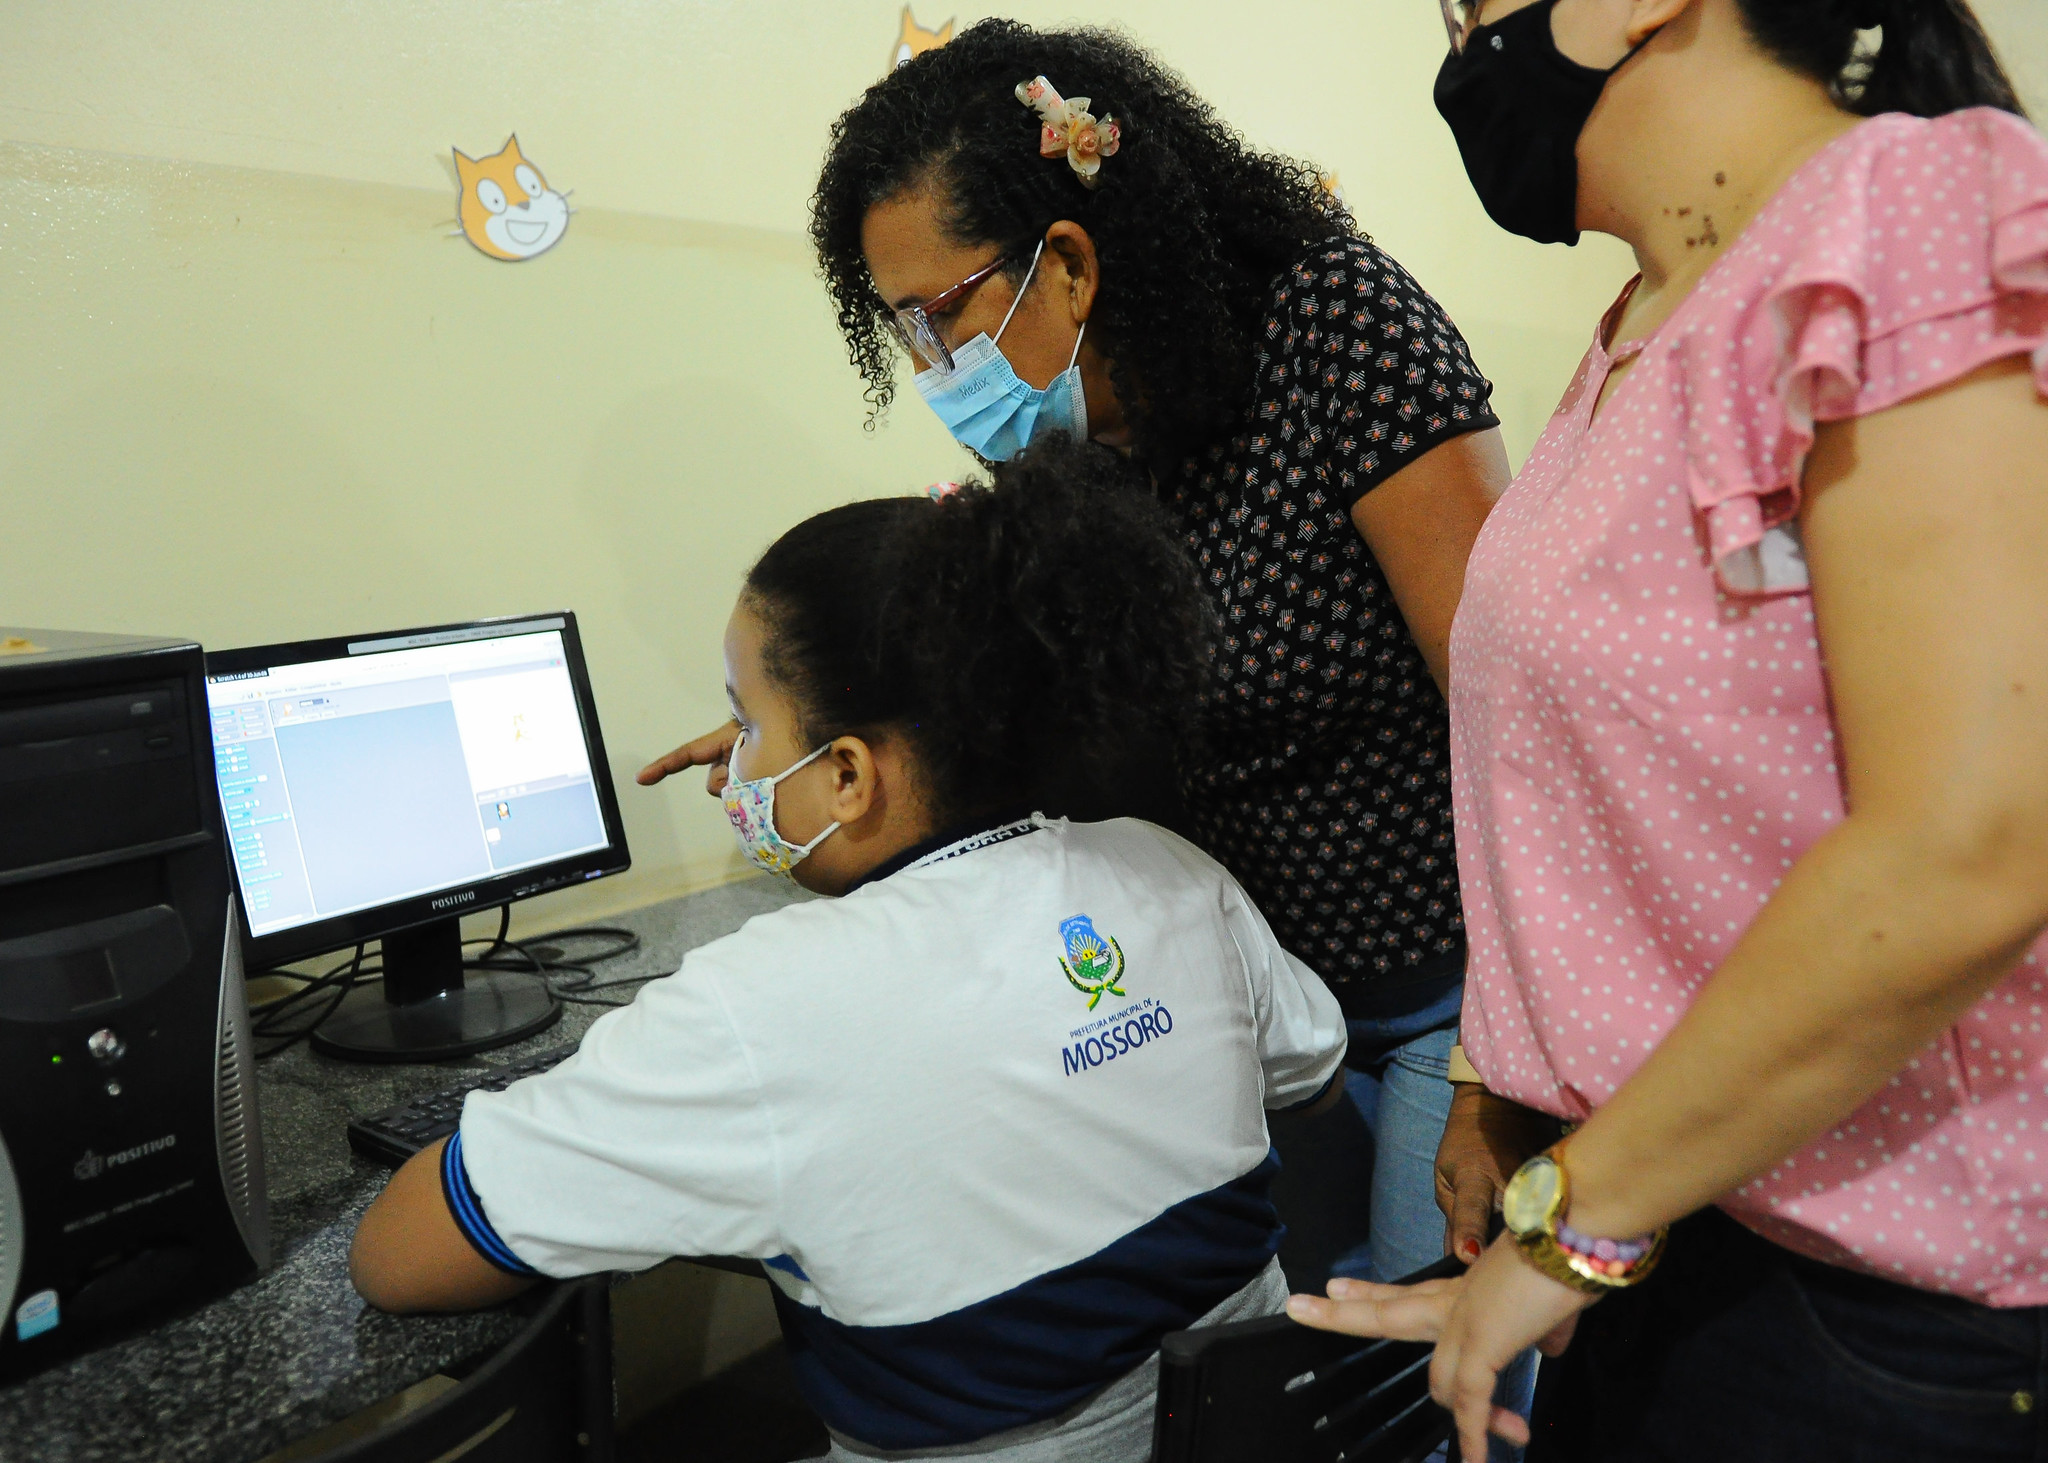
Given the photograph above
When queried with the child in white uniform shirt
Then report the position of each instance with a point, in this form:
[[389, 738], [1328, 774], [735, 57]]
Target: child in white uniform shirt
[[994, 1117]]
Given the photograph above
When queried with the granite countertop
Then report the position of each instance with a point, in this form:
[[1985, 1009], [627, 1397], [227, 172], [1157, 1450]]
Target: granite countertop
[[296, 1349]]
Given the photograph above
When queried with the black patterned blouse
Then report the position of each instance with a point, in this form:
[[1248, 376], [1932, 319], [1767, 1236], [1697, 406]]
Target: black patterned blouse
[[1326, 786]]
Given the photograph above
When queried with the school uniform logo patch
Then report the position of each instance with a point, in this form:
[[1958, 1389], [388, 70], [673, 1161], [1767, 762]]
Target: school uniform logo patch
[[1093, 965]]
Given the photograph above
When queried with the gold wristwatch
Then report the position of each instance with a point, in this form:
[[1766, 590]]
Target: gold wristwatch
[[1534, 1207]]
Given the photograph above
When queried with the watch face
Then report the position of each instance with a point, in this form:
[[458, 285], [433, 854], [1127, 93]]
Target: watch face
[[1532, 1195]]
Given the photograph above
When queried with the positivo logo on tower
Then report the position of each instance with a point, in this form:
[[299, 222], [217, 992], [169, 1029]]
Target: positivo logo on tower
[[91, 1165]]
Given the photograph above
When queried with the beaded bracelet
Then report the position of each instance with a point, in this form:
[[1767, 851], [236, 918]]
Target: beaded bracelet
[[1611, 1257]]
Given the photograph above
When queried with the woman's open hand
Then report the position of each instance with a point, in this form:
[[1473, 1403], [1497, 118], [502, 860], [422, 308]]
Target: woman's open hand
[[1485, 1140], [713, 750], [1396, 1312], [1480, 1322]]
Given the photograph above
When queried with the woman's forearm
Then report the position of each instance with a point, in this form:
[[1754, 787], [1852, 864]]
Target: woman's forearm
[[1875, 943], [1924, 529], [1420, 525]]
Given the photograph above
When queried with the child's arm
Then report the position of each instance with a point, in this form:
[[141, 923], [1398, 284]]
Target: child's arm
[[1301, 1027], [651, 1141], [409, 1255], [1333, 1093]]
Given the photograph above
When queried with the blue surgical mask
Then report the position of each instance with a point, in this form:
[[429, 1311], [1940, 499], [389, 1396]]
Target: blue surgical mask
[[990, 408]]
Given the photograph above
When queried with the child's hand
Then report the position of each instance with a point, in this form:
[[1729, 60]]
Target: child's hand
[[713, 750]]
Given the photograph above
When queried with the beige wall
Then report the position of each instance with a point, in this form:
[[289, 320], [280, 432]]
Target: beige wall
[[250, 389]]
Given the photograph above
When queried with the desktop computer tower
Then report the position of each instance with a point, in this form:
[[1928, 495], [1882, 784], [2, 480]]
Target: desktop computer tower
[[131, 1161]]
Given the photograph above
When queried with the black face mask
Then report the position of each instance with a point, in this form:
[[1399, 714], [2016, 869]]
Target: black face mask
[[1517, 105]]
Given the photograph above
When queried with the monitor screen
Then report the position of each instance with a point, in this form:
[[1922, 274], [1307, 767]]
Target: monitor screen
[[378, 774]]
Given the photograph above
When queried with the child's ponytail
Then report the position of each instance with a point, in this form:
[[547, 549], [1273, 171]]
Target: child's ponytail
[[1013, 633]]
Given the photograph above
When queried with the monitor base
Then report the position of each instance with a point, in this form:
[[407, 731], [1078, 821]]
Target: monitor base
[[487, 1010]]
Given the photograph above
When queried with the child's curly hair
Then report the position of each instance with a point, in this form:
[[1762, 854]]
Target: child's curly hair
[[1010, 632]]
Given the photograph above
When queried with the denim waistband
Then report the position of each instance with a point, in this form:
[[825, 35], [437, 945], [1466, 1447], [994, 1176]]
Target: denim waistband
[[1412, 990]]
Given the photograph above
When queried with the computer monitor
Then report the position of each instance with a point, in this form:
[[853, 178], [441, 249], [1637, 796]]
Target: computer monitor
[[382, 786]]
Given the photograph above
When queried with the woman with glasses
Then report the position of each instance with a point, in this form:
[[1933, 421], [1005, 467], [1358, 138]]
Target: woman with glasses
[[1750, 730], [1063, 238]]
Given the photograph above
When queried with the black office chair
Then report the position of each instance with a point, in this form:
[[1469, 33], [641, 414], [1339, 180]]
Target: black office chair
[[1271, 1391], [545, 1396]]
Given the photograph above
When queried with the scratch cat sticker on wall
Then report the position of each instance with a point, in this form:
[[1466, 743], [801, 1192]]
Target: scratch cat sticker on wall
[[507, 209], [913, 39]]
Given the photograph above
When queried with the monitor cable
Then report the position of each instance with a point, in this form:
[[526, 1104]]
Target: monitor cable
[[286, 1022], [273, 1020], [566, 979]]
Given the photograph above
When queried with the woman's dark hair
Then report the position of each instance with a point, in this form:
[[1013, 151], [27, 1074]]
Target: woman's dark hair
[[1191, 226], [1006, 631], [1935, 57]]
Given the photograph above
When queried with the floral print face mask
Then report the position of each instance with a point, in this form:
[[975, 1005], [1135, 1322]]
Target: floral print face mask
[[750, 805]]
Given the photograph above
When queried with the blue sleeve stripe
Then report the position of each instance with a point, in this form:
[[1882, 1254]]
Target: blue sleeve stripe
[[1320, 1093], [469, 1213]]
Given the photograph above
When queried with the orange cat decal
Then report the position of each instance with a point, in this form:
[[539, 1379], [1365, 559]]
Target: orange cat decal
[[914, 40], [507, 209]]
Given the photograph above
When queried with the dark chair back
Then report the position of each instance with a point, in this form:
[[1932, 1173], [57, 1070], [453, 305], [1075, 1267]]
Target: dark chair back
[[545, 1396], [1276, 1392]]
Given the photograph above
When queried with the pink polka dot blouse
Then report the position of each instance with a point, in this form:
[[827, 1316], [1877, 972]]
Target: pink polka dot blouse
[[1641, 739]]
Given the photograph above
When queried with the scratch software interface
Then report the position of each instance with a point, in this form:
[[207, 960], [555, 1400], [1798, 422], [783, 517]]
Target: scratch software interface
[[408, 766]]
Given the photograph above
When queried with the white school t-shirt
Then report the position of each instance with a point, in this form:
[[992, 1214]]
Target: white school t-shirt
[[994, 1121]]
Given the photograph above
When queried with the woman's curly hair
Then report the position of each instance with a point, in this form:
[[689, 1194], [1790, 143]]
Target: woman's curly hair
[[1191, 226], [1012, 634]]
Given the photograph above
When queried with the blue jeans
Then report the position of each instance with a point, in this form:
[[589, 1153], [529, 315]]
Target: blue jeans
[[1406, 1097], [1737, 1349], [1364, 1180], [1356, 1185], [1396, 1080]]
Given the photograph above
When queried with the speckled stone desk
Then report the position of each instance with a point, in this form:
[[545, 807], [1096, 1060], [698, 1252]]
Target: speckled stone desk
[[296, 1349]]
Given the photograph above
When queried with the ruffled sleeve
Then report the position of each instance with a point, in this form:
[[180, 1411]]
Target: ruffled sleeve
[[1906, 255]]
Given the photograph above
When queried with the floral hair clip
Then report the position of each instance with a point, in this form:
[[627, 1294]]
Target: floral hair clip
[[1070, 128]]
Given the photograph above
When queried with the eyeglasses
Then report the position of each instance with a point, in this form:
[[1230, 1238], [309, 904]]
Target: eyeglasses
[[1459, 18], [913, 326]]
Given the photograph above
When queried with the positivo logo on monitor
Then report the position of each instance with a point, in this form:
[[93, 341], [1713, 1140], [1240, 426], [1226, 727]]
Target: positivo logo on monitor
[[446, 900], [91, 1165]]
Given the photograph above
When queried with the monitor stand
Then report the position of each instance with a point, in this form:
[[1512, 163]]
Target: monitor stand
[[424, 1010]]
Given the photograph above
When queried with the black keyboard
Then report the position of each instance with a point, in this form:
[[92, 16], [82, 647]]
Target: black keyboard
[[397, 1133]]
